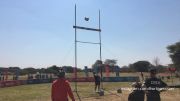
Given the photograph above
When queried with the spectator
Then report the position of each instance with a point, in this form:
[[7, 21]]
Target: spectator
[[0, 77], [142, 76]]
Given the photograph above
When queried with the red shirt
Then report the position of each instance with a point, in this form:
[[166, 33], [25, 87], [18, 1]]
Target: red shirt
[[60, 90]]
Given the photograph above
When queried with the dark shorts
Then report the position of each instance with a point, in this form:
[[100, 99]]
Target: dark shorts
[[97, 83]]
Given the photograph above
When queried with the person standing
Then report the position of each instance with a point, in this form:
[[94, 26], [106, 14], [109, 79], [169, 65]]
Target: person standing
[[0, 76], [142, 76], [153, 84], [61, 88], [97, 80]]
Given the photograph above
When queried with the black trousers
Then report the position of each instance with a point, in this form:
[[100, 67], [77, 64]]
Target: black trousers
[[153, 97]]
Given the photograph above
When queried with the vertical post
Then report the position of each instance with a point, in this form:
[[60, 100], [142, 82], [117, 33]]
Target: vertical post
[[6, 74], [100, 56], [100, 35], [75, 43]]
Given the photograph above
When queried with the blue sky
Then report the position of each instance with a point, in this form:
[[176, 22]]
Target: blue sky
[[39, 33]]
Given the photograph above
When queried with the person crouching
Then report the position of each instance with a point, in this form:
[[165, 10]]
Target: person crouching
[[137, 94]]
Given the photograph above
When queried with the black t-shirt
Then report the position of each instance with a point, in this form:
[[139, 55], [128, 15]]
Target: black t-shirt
[[153, 84]]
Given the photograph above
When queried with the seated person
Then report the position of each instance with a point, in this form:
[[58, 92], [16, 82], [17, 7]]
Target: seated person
[[137, 94]]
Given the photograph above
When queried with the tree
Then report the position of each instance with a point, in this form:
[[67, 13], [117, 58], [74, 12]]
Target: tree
[[99, 65], [156, 61], [125, 69], [174, 53], [28, 70], [110, 62], [68, 69], [52, 69], [141, 66], [14, 70], [161, 68]]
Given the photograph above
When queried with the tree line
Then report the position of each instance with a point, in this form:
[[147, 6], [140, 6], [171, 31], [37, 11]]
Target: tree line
[[139, 66], [30, 70]]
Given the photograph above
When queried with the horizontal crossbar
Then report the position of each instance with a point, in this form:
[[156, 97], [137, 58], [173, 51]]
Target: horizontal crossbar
[[86, 28], [87, 42]]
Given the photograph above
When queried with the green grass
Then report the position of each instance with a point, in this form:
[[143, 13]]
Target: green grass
[[25, 92], [42, 92]]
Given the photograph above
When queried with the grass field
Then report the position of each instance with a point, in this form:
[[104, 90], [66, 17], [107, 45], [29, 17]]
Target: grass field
[[41, 92]]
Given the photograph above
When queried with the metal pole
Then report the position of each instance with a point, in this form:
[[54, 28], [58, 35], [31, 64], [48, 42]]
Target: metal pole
[[100, 35], [100, 56], [76, 57], [75, 54], [6, 74]]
